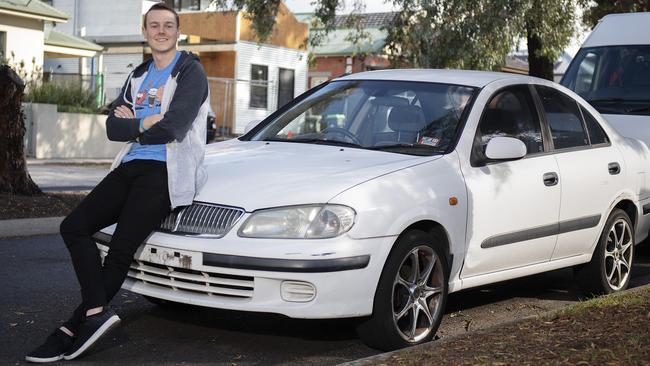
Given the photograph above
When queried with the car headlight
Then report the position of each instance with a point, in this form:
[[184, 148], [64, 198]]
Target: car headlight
[[299, 222]]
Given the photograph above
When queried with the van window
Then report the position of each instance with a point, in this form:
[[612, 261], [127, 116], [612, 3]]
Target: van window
[[614, 79]]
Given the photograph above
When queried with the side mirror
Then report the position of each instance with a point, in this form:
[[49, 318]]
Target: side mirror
[[251, 125], [505, 148]]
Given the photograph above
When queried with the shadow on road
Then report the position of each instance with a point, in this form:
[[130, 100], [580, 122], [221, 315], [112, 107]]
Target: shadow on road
[[557, 285]]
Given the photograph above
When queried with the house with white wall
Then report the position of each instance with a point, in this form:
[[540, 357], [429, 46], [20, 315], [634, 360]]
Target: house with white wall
[[28, 38], [22, 31]]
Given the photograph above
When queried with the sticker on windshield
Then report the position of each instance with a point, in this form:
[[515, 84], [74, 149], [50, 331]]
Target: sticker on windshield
[[431, 141]]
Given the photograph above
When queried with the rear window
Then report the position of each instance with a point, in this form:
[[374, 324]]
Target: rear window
[[597, 135], [564, 118]]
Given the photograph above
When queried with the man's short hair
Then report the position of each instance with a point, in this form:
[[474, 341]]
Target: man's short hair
[[161, 6]]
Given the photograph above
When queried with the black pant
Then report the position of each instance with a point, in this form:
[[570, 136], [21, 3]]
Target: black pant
[[135, 196]]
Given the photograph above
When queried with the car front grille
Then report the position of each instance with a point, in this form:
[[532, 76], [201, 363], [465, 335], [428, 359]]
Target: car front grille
[[197, 282], [202, 219]]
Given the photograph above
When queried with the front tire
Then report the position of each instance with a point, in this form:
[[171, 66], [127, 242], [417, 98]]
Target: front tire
[[611, 264], [411, 294]]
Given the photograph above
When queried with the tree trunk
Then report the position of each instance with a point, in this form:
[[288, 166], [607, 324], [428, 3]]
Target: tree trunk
[[538, 66], [14, 178]]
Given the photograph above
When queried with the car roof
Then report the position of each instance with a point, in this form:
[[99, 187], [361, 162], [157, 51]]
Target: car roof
[[457, 77]]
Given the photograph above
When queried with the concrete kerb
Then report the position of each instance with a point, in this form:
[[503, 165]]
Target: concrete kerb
[[384, 358], [68, 161], [30, 227]]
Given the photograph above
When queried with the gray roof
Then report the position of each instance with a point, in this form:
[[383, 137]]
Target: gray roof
[[368, 20], [335, 43], [56, 38], [35, 8]]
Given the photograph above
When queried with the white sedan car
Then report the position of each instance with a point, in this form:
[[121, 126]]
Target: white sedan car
[[379, 193]]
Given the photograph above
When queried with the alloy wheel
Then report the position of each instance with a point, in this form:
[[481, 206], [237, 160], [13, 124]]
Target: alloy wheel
[[417, 294], [618, 254]]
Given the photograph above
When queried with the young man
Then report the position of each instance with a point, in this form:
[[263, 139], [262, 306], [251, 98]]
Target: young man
[[161, 113]]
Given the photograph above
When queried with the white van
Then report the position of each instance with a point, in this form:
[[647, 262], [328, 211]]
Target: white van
[[612, 72]]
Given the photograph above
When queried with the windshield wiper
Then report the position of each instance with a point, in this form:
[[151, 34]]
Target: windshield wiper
[[637, 110], [607, 100], [315, 141], [402, 145]]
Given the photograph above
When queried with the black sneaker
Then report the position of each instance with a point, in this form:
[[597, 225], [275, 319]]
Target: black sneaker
[[55, 346], [92, 328]]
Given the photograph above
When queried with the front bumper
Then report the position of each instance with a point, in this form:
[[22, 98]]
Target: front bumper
[[311, 279]]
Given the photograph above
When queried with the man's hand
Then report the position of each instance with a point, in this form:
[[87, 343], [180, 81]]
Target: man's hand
[[151, 120], [123, 112]]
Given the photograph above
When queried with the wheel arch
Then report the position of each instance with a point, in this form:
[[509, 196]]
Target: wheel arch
[[630, 209], [432, 227]]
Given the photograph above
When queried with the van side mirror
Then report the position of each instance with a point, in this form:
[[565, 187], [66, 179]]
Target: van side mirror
[[505, 148]]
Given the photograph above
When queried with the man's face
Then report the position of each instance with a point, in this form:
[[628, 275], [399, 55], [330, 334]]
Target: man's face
[[161, 30]]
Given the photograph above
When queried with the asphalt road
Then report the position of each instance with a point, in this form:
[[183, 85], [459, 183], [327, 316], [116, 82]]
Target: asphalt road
[[40, 288]]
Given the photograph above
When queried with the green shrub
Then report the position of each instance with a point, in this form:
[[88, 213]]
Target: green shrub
[[68, 97]]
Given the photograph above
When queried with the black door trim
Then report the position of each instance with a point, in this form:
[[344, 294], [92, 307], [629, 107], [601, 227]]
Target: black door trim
[[541, 231]]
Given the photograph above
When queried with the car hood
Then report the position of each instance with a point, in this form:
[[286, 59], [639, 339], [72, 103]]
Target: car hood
[[258, 174]]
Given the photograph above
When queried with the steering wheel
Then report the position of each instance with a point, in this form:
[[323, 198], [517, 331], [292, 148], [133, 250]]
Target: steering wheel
[[342, 131]]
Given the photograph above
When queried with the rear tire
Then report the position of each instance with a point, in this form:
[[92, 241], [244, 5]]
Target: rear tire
[[411, 294], [611, 264]]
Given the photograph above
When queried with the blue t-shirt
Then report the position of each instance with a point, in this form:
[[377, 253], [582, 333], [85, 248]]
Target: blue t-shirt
[[147, 103]]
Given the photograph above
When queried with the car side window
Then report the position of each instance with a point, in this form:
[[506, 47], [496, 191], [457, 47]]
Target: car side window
[[511, 113], [597, 135], [563, 117]]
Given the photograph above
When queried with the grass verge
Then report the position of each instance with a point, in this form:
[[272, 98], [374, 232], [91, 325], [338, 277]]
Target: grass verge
[[609, 330]]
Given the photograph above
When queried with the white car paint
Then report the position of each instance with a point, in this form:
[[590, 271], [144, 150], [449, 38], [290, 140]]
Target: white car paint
[[390, 192]]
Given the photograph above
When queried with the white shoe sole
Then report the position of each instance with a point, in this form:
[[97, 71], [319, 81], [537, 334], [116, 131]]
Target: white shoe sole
[[108, 325], [43, 360]]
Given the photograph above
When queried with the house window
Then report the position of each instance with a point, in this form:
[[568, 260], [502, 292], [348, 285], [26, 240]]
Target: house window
[[285, 86], [3, 45], [259, 86], [180, 5]]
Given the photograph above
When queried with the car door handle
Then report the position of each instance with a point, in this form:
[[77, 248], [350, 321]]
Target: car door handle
[[550, 179], [614, 168]]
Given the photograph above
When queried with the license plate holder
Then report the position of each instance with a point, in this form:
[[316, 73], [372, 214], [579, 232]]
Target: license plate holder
[[169, 257]]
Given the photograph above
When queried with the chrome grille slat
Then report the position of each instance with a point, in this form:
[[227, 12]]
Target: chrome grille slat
[[202, 218], [220, 219], [215, 218], [191, 222], [229, 218]]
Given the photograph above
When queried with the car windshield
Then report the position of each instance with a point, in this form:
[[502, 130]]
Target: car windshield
[[403, 117], [614, 79]]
